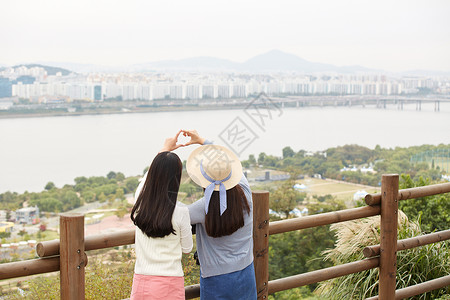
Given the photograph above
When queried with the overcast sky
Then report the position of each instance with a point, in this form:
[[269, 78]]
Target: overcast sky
[[394, 35]]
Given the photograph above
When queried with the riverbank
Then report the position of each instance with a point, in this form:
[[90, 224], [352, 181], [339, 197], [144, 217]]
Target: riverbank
[[127, 107], [127, 110]]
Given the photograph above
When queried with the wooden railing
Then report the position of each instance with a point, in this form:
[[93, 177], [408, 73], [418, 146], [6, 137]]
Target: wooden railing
[[68, 256]]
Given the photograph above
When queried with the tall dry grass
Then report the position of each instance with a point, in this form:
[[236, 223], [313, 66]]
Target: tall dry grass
[[413, 266]]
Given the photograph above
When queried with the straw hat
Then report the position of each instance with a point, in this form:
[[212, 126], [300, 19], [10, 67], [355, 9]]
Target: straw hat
[[218, 162]]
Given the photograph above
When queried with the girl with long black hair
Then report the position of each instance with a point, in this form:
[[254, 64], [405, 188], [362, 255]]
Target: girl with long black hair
[[163, 229]]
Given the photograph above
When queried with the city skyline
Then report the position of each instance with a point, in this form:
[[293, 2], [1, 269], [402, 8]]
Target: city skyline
[[393, 36], [41, 86]]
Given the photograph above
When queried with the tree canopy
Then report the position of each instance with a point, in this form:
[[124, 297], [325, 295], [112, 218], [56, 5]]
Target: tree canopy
[[85, 190]]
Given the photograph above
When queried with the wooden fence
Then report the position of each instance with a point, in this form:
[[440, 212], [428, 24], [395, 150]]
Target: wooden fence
[[68, 256]]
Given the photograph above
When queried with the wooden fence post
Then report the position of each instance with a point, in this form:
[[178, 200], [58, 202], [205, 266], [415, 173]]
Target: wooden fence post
[[388, 243], [261, 241], [72, 256]]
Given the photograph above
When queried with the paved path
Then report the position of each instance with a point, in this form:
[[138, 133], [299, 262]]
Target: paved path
[[109, 224]]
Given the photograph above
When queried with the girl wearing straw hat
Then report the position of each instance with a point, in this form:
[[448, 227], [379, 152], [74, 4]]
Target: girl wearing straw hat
[[163, 229], [224, 222]]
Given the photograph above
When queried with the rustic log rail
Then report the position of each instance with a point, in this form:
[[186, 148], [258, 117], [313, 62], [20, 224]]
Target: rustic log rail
[[419, 288], [91, 242], [70, 258], [294, 281], [29, 267], [417, 192], [410, 243], [323, 219]]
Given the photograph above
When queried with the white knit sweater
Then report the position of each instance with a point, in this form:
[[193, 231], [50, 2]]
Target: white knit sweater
[[162, 256]]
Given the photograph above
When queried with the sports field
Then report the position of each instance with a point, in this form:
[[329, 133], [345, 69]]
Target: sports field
[[339, 189]]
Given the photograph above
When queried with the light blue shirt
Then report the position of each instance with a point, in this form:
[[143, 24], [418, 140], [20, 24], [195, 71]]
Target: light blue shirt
[[226, 254]]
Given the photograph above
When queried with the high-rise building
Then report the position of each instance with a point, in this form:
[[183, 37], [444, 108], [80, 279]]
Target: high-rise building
[[223, 91], [239, 91], [98, 92], [5, 87], [208, 91], [160, 91], [193, 91], [176, 91]]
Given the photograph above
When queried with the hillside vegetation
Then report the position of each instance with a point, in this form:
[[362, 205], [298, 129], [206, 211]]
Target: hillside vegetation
[[289, 253]]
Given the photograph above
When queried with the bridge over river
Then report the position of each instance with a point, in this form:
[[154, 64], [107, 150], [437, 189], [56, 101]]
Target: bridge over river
[[378, 101]]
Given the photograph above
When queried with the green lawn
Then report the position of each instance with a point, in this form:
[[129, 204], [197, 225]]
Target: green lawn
[[320, 187], [341, 190]]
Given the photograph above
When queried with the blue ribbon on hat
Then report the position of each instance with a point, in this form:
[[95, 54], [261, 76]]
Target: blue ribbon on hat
[[210, 189]]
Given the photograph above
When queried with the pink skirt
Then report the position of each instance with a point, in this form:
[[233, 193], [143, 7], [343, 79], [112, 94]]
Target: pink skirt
[[157, 287]]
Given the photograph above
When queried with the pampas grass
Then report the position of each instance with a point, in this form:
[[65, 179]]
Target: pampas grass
[[413, 266]]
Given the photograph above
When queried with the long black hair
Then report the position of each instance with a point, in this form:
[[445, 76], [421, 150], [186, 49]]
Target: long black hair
[[232, 219], [153, 209]]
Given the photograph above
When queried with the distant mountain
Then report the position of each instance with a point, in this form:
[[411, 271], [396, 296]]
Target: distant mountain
[[277, 60], [272, 61], [50, 70], [86, 68]]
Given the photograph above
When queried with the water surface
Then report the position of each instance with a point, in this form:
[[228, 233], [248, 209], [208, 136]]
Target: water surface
[[34, 151]]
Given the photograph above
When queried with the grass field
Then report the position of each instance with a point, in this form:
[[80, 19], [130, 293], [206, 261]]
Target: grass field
[[320, 187], [339, 189]]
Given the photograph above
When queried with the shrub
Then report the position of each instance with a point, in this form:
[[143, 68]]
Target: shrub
[[413, 266]]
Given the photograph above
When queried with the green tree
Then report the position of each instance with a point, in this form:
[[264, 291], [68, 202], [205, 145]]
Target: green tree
[[50, 185], [82, 186], [96, 181], [88, 195], [101, 197], [70, 200], [288, 152], [111, 175], [270, 161], [120, 194], [296, 252], [120, 177], [261, 158], [4, 235], [48, 203], [285, 198], [131, 183], [10, 201], [351, 154], [432, 212], [107, 189], [121, 212], [81, 179]]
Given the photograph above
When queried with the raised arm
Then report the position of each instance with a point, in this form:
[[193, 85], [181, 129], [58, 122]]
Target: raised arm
[[170, 144], [195, 137]]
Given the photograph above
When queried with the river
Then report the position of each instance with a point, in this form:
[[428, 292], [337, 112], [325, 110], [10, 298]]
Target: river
[[34, 151]]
